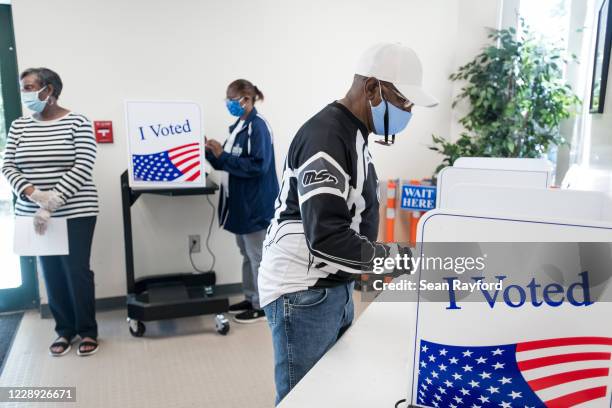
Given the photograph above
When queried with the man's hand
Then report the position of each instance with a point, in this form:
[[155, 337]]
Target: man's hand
[[41, 219], [215, 147], [49, 200], [402, 257]]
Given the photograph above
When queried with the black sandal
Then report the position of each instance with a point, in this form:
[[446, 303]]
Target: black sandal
[[86, 343], [63, 342]]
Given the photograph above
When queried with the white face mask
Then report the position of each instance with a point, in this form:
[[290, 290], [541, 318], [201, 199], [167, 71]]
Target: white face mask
[[32, 102]]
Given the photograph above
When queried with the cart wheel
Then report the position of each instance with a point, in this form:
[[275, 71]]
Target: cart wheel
[[137, 328], [222, 324]]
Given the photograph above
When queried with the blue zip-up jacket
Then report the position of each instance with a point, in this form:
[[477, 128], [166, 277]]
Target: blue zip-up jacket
[[253, 185]]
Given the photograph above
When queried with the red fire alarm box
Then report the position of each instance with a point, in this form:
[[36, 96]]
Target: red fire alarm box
[[104, 131]]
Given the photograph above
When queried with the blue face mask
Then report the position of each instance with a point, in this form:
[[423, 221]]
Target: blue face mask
[[234, 107], [397, 118], [31, 101]]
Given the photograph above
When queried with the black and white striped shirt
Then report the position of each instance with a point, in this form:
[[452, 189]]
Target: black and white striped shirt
[[53, 155]]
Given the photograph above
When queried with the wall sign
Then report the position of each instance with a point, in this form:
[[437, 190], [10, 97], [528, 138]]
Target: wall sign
[[165, 144], [418, 198], [103, 129]]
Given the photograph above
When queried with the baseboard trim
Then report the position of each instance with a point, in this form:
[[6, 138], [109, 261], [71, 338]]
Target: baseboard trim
[[119, 302]]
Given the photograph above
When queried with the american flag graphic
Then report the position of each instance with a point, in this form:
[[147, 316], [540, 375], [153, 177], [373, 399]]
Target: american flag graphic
[[181, 163], [553, 373]]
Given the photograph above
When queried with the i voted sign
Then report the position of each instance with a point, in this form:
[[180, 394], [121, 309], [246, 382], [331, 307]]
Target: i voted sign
[[165, 144], [526, 330], [418, 198]]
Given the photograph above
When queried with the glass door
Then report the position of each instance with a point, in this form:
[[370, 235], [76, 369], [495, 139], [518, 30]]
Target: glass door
[[18, 284]]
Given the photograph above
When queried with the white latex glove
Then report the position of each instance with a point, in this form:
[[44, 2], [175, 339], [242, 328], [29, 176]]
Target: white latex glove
[[49, 200], [41, 218]]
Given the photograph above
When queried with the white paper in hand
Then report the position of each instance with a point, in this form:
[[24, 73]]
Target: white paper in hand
[[28, 243]]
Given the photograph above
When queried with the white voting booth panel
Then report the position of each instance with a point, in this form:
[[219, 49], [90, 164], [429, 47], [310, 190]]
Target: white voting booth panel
[[464, 226], [585, 178], [451, 176], [479, 344], [165, 144], [531, 202], [502, 355], [504, 164]]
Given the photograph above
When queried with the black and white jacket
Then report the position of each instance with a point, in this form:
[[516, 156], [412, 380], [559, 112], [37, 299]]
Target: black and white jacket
[[326, 219]]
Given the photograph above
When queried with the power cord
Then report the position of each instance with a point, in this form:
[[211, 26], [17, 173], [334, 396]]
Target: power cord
[[212, 219], [207, 242], [397, 404]]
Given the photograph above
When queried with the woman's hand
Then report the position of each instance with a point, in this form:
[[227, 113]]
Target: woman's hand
[[214, 146], [49, 200], [41, 219]]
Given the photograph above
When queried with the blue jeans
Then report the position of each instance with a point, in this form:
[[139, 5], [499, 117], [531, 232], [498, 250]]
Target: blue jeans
[[304, 326]]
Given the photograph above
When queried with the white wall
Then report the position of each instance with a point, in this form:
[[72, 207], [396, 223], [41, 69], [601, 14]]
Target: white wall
[[301, 55], [474, 21]]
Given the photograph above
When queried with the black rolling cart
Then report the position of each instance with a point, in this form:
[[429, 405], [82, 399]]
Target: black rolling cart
[[170, 295]]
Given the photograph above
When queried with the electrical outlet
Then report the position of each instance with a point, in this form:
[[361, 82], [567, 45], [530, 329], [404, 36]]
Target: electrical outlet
[[194, 243]]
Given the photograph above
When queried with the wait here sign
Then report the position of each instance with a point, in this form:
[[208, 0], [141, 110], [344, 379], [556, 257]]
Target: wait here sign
[[418, 198]]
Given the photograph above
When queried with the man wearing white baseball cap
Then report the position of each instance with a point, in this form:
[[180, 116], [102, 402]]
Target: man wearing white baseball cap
[[324, 231], [399, 69]]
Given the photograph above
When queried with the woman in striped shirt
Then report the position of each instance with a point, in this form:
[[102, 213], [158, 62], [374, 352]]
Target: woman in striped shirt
[[49, 161]]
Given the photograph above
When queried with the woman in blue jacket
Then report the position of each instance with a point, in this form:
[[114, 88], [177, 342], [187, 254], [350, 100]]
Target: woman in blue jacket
[[249, 187]]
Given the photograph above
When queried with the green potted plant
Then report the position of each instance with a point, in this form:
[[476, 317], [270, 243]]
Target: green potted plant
[[517, 98]]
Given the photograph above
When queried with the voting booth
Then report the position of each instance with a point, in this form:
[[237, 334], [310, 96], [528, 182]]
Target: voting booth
[[166, 157], [585, 178], [537, 336], [503, 172], [165, 144], [504, 163]]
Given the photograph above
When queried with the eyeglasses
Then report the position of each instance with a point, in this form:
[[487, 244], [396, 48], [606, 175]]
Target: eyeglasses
[[401, 100]]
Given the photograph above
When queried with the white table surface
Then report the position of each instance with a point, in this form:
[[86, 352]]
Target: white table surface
[[368, 367]]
